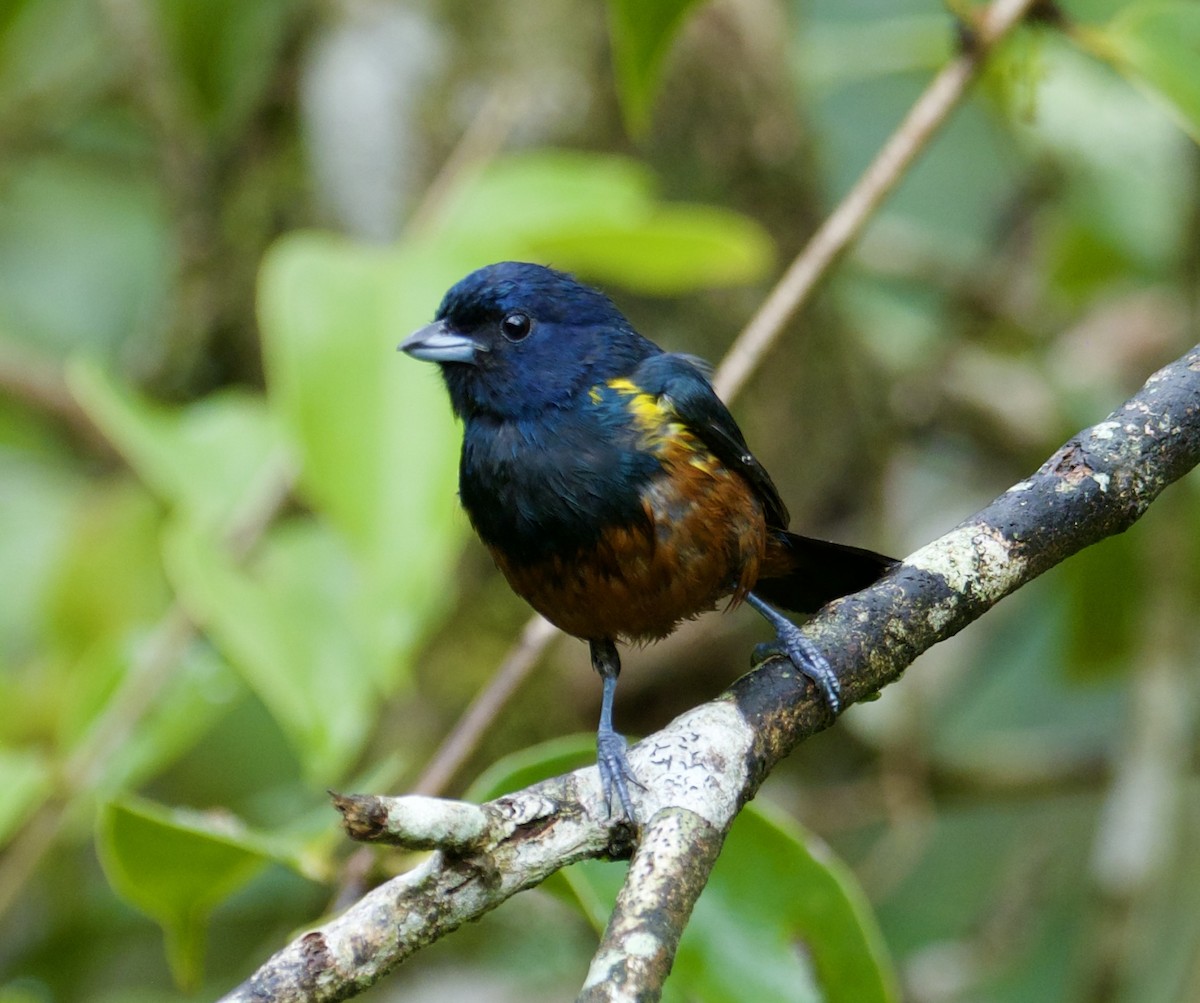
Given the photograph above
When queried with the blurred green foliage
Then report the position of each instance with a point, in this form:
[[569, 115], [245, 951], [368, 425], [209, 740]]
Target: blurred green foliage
[[236, 573], [642, 34]]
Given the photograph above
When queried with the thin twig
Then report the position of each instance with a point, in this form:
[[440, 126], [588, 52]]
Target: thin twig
[[465, 736], [846, 221], [37, 381], [483, 138]]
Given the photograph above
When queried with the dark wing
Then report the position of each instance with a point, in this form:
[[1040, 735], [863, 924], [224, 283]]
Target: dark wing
[[683, 388]]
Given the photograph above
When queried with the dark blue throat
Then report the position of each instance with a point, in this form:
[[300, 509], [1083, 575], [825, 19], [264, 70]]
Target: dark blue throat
[[549, 485]]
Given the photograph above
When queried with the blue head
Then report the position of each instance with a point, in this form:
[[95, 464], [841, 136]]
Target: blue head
[[515, 339]]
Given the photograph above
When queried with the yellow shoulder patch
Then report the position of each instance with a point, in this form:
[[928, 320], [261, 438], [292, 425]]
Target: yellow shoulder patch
[[661, 429], [651, 416]]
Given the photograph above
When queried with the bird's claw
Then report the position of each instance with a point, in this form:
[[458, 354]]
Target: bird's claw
[[803, 654], [615, 772]]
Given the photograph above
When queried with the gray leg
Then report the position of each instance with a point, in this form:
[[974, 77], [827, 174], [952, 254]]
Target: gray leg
[[615, 771], [800, 652]]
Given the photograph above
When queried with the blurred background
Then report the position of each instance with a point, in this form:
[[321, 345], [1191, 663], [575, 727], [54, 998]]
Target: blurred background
[[234, 569]]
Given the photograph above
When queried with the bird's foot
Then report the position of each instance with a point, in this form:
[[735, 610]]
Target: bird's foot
[[616, 774], [803, 654]]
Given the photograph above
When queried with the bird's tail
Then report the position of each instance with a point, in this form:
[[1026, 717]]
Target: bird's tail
[[802, 574]]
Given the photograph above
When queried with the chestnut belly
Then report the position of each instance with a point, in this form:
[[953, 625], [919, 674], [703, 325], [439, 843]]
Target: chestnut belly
[[703, 538]]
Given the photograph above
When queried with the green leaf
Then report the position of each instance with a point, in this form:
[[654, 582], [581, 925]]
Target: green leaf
[[202, 689], [781, 919], [1125, 167], [38, 506], [176, 866], [599, 216], [1014, 72], [207, 458], [641, 36], [293, 625], [778, 903], [378, 443], [1158, 44], [528, 766], [546, 192], [109, 578], [674, 250]]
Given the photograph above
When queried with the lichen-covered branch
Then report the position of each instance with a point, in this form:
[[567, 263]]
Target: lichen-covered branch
[[1098, 484], [516, 842], [667, 873], [700, 769]]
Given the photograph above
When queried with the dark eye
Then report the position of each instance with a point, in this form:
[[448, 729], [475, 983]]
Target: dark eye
[[515, 326]]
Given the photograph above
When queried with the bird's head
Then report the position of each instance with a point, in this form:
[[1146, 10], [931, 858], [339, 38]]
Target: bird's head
[[514, 339]]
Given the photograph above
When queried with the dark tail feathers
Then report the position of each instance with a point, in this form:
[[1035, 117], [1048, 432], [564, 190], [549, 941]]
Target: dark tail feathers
[[802, 574]]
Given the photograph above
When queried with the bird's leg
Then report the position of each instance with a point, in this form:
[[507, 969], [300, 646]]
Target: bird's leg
[[615, 771], [800, 651]]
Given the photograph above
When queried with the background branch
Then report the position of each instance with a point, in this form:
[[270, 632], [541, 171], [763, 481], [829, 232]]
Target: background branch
[[882, 175], [706, 764]]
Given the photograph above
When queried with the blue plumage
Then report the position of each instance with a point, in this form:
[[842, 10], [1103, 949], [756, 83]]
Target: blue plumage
[[611, 484]]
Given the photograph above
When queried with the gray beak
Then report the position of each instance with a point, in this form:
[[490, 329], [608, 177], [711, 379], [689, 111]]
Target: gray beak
[[437, 343]]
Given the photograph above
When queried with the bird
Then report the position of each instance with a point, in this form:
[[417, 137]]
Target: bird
[[612, 486]]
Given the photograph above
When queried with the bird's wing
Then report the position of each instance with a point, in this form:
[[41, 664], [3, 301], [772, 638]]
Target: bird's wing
[[680, 383]]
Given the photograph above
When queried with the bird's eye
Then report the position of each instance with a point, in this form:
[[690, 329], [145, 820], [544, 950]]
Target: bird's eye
[[515, 326]]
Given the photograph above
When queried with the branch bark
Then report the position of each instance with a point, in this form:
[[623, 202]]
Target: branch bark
[[703, 767]]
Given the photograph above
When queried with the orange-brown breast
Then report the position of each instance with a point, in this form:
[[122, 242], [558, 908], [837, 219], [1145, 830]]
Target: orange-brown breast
[[704, 538]]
